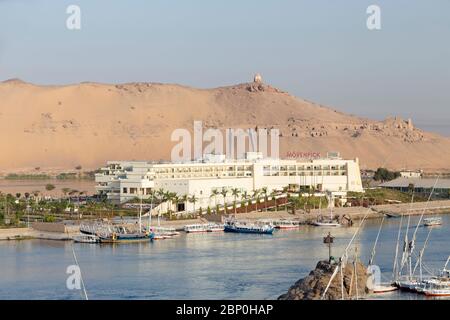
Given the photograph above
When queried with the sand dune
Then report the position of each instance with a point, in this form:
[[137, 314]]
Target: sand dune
[[60, 127]]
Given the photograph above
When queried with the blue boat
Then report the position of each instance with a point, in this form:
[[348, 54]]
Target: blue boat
[[243, 227]]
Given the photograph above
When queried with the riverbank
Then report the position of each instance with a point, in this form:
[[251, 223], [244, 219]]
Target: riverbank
[[353, 213]]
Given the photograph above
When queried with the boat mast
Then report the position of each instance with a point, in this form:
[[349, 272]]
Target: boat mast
[[140, 212], [331, 206], [150, 212], [396, 271], [421, 252], [413, 239], [375, 244]]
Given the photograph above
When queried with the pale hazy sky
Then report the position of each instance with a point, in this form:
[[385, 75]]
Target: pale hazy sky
[[319, 50]]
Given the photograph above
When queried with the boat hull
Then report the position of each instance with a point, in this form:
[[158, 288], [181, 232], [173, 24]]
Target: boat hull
[[127, 239], [437, 293], [384, 289], [326, 224], [247, 230]]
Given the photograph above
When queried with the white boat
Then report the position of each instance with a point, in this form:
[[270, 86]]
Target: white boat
[[435, 221], [86, 238], [436, 292], [409, 284], [437, 288], [162, 236], [164, 231], [327, 223], [384, 288], [196, 228], [214, 227], [330, 222], [284, 224]]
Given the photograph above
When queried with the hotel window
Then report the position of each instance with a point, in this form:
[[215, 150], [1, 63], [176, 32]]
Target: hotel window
[[125, 190]]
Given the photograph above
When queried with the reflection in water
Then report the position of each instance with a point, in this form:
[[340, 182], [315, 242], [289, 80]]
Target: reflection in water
[[198, 266]]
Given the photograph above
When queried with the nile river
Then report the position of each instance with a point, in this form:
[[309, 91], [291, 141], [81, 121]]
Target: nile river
[[197, 266]]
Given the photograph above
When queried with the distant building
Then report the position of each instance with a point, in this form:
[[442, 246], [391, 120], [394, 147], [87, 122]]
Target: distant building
[[411, 174], [421, 186], [121, 181]]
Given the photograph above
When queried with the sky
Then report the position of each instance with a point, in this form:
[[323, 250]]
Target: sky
[[319, 50]]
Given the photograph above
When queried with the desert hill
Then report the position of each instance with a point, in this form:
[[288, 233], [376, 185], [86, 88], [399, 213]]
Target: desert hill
[[60, 127]]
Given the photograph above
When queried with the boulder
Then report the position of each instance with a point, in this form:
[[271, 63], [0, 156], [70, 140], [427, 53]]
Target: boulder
[[313, 286]]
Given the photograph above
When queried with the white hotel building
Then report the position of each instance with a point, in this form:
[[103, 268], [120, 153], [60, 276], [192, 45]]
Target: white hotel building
[[121, 181]]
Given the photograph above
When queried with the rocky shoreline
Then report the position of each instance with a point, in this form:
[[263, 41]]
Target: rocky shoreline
[[354, 280]]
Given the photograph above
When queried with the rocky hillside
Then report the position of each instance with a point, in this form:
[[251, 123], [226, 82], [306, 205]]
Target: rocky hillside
[[60, 127]]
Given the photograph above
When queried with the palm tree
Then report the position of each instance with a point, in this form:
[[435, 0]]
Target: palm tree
[[235, 192], [214, 193], [256, 196], [169, 197], [185, 199], [193, 199], [264, 192], [224, 193], [160, 194], [36, 194], [273, 196], [176, 200], [65, 191], [244, 198]]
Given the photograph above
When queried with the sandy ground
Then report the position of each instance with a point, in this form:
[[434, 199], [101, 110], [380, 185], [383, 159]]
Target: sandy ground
[[56, 128]]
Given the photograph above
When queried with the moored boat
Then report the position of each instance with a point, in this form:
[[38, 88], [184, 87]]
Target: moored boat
[[244, 227], [327, 223], [284, 224], [196, 228], [214, 227], [434, 221], [408, 284], [384, 288], [86, 238], [438, 288], [126, 238]]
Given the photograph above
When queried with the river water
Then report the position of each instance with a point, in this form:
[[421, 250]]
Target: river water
[[199, 266]]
